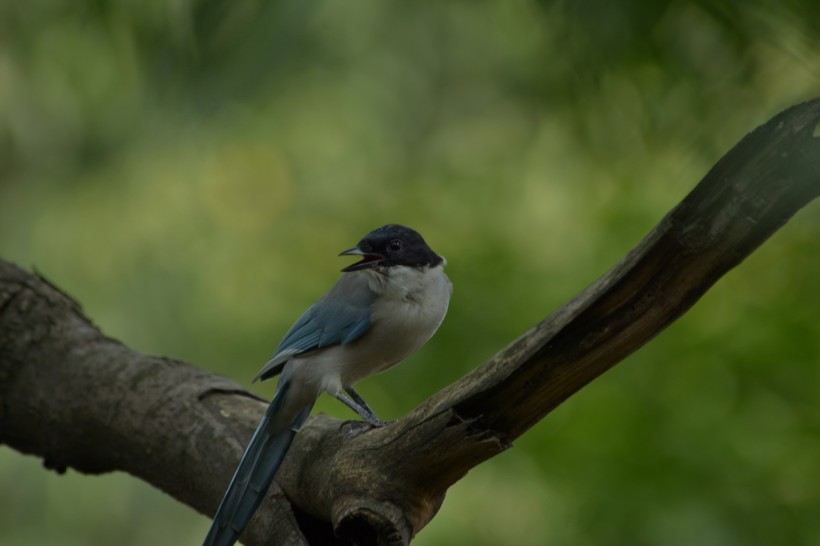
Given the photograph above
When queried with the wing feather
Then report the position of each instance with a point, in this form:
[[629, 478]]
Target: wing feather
[[340, 317]]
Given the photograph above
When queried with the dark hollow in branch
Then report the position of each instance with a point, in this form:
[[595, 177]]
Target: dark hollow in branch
[[79, 399]]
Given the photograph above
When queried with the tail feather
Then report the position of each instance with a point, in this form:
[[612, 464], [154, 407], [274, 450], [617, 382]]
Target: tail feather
[[255, 472]]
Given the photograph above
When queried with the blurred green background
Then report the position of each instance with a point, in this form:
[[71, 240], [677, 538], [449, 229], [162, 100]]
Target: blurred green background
[[188, 170]]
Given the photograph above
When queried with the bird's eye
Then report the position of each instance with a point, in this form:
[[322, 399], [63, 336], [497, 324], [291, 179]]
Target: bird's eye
[[395, 245]]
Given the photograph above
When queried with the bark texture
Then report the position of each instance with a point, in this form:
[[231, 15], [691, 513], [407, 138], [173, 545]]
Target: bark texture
[[79, 399]]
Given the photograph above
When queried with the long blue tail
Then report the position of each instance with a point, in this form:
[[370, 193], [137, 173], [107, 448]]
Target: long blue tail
[[255, 472]]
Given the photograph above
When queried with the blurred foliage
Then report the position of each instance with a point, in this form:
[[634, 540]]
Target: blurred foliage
[[188, 169]]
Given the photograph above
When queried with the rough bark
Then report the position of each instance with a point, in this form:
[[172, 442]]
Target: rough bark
[[79, 399]]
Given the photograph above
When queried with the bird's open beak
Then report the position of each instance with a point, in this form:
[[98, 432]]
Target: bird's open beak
[[367, 261]]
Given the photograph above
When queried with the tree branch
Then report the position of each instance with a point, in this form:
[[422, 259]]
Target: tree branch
[[82, 400]]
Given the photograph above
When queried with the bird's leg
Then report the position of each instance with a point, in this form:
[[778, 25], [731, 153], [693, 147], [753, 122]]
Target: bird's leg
[[359, 400], [357, 404]]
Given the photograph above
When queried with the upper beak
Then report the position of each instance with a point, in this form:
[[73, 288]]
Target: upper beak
[[368, 260]]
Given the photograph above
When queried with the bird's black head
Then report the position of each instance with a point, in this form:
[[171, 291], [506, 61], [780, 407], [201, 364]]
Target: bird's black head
[[392, 245]]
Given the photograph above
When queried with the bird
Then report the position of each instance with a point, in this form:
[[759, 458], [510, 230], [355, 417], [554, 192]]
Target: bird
[[382, 309]]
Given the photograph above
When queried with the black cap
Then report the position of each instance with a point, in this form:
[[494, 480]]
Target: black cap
[[392, 245]]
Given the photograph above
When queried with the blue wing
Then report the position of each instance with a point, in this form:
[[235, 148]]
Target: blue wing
[[339, 317]]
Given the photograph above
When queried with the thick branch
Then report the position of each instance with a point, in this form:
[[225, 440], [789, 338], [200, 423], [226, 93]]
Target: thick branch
[[79, 399]]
